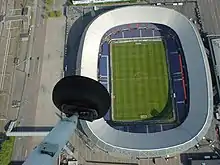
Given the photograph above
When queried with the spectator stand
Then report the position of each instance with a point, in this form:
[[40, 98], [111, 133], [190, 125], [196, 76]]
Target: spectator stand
[[176, 67]]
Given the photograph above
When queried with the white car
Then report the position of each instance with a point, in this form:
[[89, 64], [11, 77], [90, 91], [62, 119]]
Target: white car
[[29, 30], [217, 116]]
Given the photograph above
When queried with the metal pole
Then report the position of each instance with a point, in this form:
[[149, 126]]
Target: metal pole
[[49, 150]]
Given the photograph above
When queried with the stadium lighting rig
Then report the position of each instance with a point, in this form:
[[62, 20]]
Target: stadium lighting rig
[[78, 98]]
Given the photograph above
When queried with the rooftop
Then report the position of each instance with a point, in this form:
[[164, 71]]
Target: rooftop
[[206, 162], [190, 131]]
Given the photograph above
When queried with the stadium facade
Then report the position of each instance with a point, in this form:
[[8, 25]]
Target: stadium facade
[[199, 118]]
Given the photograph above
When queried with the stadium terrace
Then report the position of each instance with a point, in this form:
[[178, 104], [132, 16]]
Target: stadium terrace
[[183, 76]]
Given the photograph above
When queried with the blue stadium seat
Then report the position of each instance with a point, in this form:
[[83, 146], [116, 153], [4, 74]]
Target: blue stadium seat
[[174, 63], [135, 32], [171, 45], [105, 49], [133, 128], [167, 127], [103, 79], [176, 76], [121, 27], [121, 128], [117, 35], [178, 89], [163, 28], [105, 85], [103, 64], [138, 128], [157, 33], [182, 112], [107, 117], [154, 128], [127, 34], [104, 82], [131, 33], [126, 128], [158, 128], [146, 33]]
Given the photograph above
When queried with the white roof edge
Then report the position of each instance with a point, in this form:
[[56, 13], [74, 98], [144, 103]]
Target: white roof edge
[[201, 103]]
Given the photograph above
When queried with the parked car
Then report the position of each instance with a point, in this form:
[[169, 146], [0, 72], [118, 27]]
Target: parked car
[[217, 131], [15, 103], [216, 115]]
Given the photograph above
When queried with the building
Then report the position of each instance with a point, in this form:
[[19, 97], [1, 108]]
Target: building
[[178, 139], [206, 162]]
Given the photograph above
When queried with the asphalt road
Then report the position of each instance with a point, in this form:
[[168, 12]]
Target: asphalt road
[[9, 41], [3, 9], [52, 71], [30, 94]]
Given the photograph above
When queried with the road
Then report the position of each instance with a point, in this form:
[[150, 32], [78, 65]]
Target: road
[[30, 94], [9, 42], [52, 71], [210, 14], [3, 9]]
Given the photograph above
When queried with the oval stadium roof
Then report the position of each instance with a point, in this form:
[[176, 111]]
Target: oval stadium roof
[[199, 117]]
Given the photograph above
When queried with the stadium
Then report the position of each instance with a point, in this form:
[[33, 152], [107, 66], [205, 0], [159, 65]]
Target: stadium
[[154, 65]]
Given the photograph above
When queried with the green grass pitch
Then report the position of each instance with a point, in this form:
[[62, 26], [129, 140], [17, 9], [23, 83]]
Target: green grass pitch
[[140, 87]]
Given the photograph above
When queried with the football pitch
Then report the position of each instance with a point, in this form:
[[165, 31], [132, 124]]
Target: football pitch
[[139, 78]]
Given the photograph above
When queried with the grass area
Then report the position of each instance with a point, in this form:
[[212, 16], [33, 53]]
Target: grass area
[[139, 80], [49, 11], [49, 2], [54, 13], [6, 151]]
